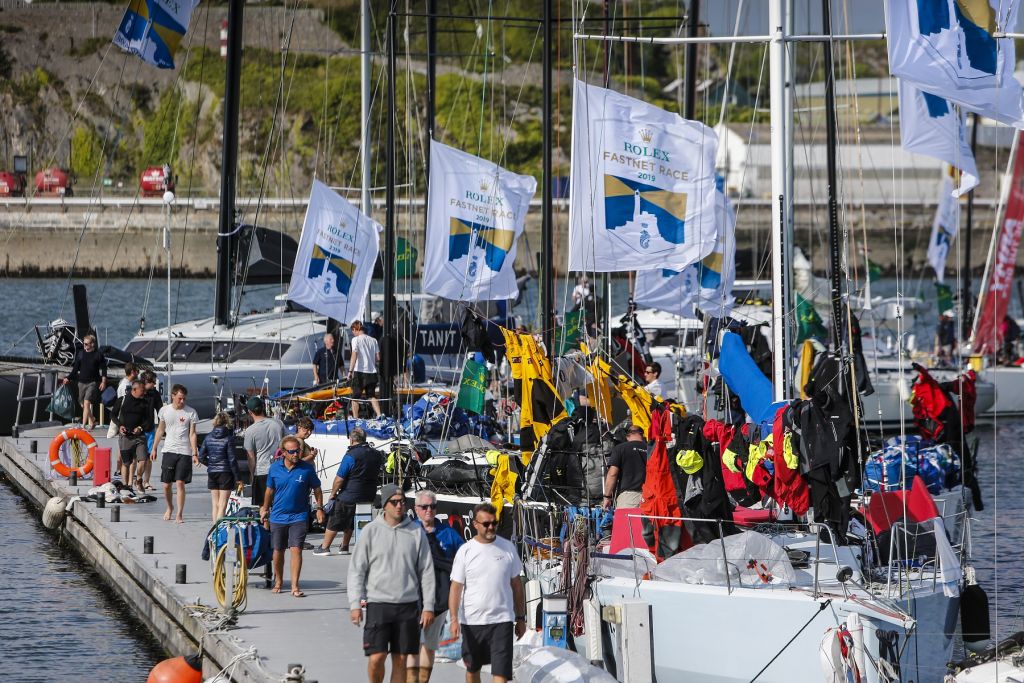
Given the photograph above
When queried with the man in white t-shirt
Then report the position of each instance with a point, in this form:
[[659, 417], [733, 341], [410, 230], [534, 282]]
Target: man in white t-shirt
[[486, 599], [177, 422], [652, 375], [362, 368]]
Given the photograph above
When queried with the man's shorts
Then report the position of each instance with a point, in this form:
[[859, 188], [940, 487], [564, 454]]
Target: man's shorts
[[394, 628], [431, 636], [342, 517], [363, 384], [259, 488], [89, 391], [220, 481], [133, 448], [176, 467], [488, 644], [285, 536]]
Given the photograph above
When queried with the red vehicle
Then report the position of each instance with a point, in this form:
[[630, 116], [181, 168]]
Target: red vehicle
[[156, 180], [54, 181], [12, 184]]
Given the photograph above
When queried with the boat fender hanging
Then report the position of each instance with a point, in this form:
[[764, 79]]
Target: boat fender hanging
[[53, 512], [974, 618], [68, 435], [177, 670]]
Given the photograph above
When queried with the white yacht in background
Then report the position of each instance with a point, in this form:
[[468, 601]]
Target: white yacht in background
[[262, 354]]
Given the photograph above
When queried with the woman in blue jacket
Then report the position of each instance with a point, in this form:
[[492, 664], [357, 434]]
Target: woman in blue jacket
[[218, 455]]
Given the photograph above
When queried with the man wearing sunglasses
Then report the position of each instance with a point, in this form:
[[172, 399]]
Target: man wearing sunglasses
[[487, 586], [391, 569], [289, 483], [444, 543], [652, 375]]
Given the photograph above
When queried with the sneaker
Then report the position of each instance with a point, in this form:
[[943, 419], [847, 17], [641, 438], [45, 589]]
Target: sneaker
[[320, 550], [344, 551]]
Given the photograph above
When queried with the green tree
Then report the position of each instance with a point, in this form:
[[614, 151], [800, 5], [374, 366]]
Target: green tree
[[86, 152]]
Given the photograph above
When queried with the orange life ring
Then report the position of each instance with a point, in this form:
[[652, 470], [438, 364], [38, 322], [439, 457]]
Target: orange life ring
[[68, 434]]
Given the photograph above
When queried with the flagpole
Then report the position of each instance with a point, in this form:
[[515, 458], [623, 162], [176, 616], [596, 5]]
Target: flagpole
[[388, 373]]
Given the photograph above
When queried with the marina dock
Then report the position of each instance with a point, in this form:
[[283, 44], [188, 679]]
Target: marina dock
[[274, 633]]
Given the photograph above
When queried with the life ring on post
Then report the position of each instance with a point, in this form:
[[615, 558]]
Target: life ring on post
[[67, 435]]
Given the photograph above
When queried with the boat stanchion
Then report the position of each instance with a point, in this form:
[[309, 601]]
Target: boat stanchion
[[147, 545], [115, 513], [179, 573]]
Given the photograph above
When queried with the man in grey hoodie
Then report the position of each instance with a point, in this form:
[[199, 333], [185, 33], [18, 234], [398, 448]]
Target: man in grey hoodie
[[392, 569]]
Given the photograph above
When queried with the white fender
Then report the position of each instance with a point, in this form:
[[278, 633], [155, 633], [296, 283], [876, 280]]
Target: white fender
[[856, 628]]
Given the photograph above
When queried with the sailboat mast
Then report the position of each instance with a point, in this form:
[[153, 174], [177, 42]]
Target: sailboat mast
[[365, 77], [780, 281], [431, 84], [387, 366], [831, 144], [693, 26], [229, 165], [966, 311], [547, 219]]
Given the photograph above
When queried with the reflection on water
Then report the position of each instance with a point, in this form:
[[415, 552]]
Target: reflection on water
[[58, 620]]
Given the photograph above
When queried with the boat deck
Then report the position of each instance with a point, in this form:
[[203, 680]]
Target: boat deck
[[314, 631]]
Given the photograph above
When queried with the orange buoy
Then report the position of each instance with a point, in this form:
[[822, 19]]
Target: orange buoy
[[71, 434], [177, 670]]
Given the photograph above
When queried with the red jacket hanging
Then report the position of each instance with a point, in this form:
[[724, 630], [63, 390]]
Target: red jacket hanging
[[723, 434], [659, 494], [790, 488]]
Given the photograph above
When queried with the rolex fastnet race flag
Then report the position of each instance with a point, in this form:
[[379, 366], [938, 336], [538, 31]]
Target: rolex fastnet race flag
[[949, 48], [944, 228], [706, 284], [642, 194], [152, 29], [334, 262], [476, 211], [930, 125]]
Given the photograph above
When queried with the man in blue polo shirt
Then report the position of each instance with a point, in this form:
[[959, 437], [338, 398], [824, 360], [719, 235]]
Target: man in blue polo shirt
[[356, 482], [289, 484]]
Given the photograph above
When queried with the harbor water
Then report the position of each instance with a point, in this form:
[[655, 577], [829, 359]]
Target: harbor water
[[58, 621]]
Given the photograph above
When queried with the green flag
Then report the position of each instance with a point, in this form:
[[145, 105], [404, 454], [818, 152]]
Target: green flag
[[569, 335], [808, 322], [473, 387], [874, 271], [945, 297], [405, 258]]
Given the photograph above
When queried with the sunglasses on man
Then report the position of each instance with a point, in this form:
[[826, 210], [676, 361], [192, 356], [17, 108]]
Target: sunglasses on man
[[488, 524], [428, 506], [396, 501]]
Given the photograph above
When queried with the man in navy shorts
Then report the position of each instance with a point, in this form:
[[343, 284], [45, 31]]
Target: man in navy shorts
[[286, 508]]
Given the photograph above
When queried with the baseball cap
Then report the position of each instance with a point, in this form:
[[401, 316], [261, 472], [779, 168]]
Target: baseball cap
[[254, 403]]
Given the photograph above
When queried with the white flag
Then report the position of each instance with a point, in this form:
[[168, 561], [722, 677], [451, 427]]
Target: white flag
[[948, 48], [334, 262], [930, 125], [476, 211], [707, 284], [667, 290], [944, 228], [642, 194]]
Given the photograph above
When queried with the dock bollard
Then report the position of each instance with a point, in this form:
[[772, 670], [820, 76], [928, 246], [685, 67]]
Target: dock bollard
[[33, 446], [101, 500], [147, 545], [73, 478], [115, 513], [179, 573]]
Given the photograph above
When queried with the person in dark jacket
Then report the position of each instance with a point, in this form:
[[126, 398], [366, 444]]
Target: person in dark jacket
[[356, 482], [444, 543], [217, 454], [135, 418], [153, 394], [89, 370]]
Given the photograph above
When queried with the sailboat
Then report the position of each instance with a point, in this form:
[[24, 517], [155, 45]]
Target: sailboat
[[830, 608]]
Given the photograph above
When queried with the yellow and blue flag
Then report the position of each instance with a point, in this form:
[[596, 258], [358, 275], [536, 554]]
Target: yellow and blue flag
[[152, 29]]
